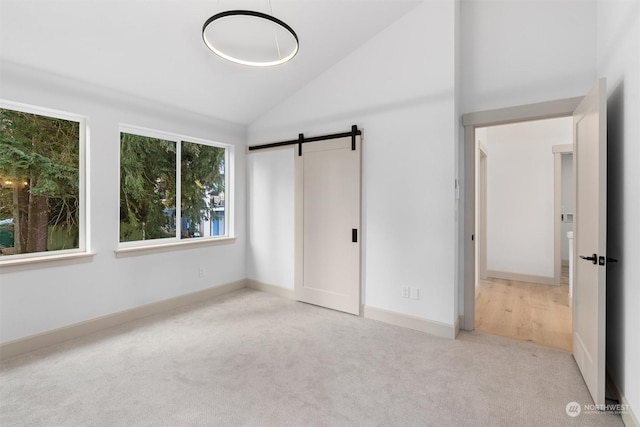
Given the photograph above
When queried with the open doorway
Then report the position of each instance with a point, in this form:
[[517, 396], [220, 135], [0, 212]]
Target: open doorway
[[523, 214], [590, 234]]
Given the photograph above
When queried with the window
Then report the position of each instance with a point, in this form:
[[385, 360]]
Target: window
[[172, 188], [41, 182]]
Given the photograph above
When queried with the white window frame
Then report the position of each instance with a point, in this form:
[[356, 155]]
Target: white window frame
[[83, 224], [125, 248]]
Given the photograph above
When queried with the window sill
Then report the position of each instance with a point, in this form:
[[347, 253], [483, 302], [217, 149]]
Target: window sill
[[45, 261], [170, 247]]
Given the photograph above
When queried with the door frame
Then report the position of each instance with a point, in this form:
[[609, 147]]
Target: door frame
[[471, 121], [481, 238], [558, 152]]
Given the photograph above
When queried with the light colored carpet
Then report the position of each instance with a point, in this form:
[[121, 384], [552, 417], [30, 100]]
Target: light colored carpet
[[252, 359]]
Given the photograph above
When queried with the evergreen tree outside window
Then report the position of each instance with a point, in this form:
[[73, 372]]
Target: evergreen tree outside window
[[202, 190], [147, 188], [41, 181], [171, 188]]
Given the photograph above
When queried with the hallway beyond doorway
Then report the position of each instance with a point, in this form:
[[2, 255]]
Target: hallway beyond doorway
[[525, 311]]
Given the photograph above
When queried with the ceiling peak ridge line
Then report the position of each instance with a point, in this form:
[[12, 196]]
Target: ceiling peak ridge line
[[235, 58]]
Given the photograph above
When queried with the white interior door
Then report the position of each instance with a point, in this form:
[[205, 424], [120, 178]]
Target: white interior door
[[327, 271], [590, 157]]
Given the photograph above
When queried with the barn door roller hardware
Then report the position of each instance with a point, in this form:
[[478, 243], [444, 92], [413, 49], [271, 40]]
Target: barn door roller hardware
[[302, 139]]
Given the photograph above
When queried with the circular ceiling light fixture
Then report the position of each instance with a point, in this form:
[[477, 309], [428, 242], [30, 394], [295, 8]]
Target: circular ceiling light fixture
[[250, 38]]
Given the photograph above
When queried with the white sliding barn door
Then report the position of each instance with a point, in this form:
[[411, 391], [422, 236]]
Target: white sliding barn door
[[590, 238], [327, 198]]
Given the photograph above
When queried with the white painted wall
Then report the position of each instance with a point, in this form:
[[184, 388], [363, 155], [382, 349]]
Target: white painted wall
[[43, 297], [619, 61], [403, 97], [520, 195], [519, 51], [270, 215]]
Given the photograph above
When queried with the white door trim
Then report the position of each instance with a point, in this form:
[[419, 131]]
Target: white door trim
[[483, 153], [471, 121]]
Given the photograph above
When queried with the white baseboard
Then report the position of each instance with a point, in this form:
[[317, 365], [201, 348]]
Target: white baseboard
[[628, 417], [529, 278], [411, 322], [398, 319], [65, 333], [459, 321], [271, 289]]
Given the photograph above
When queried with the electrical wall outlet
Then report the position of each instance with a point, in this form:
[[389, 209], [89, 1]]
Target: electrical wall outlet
[[201, 272], [405, 292], [411, 292]]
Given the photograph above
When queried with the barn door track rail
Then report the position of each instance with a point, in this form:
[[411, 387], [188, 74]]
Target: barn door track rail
[[301, 140]]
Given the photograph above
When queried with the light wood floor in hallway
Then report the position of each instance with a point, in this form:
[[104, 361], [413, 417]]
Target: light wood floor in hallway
[[525, 311]]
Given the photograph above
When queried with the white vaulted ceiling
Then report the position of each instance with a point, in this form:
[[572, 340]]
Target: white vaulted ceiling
[[153, 49]]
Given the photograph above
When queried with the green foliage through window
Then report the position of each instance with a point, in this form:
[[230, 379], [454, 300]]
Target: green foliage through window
[[39, 183], [202, 189], [149, 189]]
